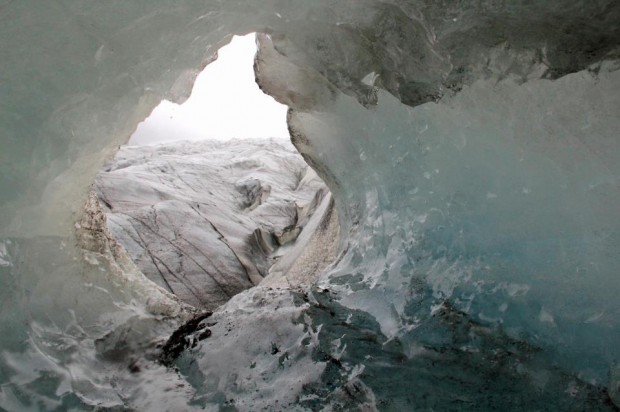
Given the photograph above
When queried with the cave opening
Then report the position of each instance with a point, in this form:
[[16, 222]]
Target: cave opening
[[209, 197]]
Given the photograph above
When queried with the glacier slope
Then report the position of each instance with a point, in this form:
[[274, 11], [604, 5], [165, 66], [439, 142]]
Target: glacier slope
[[209, 219]]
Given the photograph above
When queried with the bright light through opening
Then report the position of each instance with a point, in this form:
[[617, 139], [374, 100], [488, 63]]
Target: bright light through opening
[[225, 103]]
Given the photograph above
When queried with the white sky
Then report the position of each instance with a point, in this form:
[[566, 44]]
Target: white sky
[[225, 103]]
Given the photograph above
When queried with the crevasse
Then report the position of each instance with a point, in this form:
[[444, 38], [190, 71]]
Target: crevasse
[[473, 153]]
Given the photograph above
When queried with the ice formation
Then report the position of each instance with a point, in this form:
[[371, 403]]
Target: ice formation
[[473, 155]]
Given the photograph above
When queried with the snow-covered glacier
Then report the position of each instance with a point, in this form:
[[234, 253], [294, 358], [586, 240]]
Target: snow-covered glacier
[[206, 220], [472, 152]]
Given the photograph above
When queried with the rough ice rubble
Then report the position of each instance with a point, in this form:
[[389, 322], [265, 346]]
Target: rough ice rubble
[[84, 74]]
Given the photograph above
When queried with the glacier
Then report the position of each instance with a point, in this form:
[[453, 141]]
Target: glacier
[[206, 220], [472, 152]]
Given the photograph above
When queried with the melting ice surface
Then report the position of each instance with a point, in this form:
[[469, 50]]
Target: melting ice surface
[[473, 153]]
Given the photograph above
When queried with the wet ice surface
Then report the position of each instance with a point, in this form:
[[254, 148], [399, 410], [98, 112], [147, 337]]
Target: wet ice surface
[[496, 219], [206, 220]]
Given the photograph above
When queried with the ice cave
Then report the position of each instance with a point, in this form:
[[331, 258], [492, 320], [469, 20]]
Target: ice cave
[[455, 245]]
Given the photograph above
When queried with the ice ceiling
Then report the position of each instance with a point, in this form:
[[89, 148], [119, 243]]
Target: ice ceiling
[[471, 146]]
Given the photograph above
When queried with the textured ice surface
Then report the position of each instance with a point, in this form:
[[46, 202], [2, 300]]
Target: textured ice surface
[[472, 151], [498, 221], [206, 220]]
